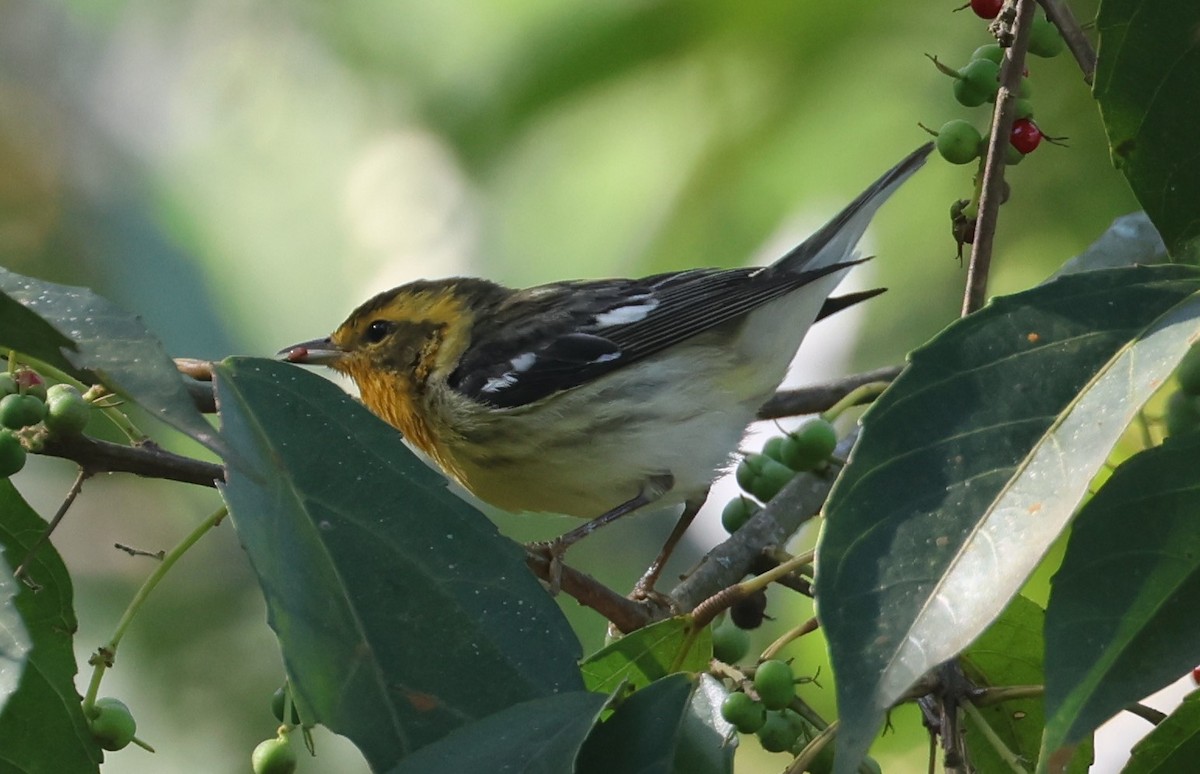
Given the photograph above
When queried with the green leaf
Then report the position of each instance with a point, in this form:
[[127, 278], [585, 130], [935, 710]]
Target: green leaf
[[540, 735], [1173, 745], [1130, 240], [77, 331], [403, 614], [1147, 69], [1009, 654], [970, 465], [42, 728], [655, 731], [648, 654], [1121, 622]]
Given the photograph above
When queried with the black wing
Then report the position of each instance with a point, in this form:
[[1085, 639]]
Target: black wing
[[554, 337]]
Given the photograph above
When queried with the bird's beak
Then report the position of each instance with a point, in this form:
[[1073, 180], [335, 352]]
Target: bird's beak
[[315, 352]]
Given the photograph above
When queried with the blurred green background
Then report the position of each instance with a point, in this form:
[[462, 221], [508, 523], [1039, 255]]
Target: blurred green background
[[241, 174]]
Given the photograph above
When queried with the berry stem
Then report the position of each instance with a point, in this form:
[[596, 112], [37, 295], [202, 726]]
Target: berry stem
[[1007, 755], [864, 393], [993, 169], [108, 653], [785, 639], [811, 750]]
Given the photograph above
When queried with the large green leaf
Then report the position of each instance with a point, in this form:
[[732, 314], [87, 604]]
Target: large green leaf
[[1174, 744], [403, 614], [648, 654], [1147, 69], [1122, 621], [970, 465], [1009, 654], [42, 728], [540, 736], [78, 331], [661, 729]]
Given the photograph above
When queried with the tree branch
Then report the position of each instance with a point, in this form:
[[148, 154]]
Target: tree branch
[[1059, 14], [818, 398], [626, 614], [145, 459], [992, 194]]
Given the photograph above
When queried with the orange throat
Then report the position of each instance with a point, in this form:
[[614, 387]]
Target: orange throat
[[392, 397]]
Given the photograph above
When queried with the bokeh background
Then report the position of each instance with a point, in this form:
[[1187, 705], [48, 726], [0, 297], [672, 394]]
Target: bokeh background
[[241, 174]]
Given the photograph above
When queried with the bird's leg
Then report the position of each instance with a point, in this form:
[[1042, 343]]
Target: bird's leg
[[645, 586], [654, 488]]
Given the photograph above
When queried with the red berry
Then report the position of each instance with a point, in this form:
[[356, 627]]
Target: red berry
[[987, 9], [1025, 135], [1196, 675]]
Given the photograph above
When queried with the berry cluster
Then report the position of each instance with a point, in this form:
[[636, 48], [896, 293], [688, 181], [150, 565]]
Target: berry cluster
[[29, 411], [763, 475], [763, 708], [977, 83]]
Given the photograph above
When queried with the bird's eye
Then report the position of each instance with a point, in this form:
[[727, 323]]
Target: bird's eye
[[378, 331]]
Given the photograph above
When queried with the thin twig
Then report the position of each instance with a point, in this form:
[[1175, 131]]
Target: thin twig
[[624, 613], [993, 168], [1148, 714], [1059, 14], [1002, 749], [818, 398], [72, 493]]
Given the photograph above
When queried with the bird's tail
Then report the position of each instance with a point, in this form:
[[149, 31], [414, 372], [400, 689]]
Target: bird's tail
[[835, 242]]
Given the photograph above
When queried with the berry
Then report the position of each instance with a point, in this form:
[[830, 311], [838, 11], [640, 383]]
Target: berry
[[277, 701], [987, 9], [737, 512], [762, 476], [730, 644], [8, 385], [749, 613], [777, 734], [981, 76], [1183, 413], [1196, 675], [958, 141], [967, 95], [274, 756], [12, 454], [744, 713], [30, 383], [1025, 135], [774, 684], [990, 51], [811, 445], [1024, 108], [1044, 39], [773, 448], [1188, 372], [67, 413], [17, 411], [112, 724]]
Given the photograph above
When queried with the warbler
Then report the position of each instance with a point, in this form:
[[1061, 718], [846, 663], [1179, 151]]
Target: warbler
[[594, 398]]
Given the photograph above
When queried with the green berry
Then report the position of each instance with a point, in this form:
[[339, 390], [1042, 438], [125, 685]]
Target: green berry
[[1183, 413], [112, 724], [982, 76], [762, 476], [958, 142], [969, 96], [773, 448], [812, 444], [744, 713], [992, 52], [1188, 372], [1024, 109], [777, 734], [17, 411], [67, 413], [8, 385], [12, 454], [730, 644], [274, 756], [774, 683], [737, 512], [1044, 39], [30, 383], [1012, 156], [277, 701]]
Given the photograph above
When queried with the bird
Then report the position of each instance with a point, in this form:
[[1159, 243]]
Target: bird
[[594, 398]]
